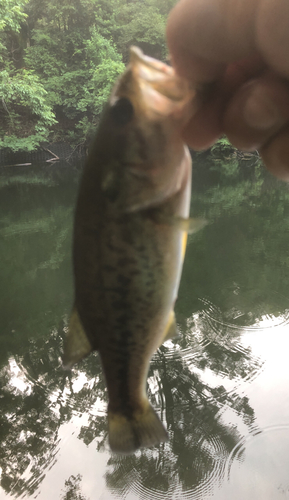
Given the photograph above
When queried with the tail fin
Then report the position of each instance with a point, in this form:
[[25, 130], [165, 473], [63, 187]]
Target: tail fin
[[143, 429]]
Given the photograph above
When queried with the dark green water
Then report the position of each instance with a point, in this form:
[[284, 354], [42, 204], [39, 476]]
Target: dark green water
[[221, 387]]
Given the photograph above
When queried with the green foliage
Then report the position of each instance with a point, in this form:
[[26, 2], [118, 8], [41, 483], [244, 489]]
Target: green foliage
[[142, 24], [78, 89], [223, 159], [107, 67], [223, 145], [23, 95], [66, 56], [134, 23], [12, 17], [11, 14]]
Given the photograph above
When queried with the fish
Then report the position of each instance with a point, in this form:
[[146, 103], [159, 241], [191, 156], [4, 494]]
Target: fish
[[130, 233]]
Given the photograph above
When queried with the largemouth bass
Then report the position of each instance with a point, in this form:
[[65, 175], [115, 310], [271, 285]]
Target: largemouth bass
[[130, 231]]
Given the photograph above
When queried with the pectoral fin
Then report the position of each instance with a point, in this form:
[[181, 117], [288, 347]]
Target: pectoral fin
[[190, 225], [171, 329], [184, 244], [76, 344]]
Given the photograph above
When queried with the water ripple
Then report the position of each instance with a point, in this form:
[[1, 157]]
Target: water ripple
[[254, 318], [262, 457], [135, 484]]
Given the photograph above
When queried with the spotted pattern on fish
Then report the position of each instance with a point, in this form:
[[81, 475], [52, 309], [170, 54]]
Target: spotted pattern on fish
[[129, 243]]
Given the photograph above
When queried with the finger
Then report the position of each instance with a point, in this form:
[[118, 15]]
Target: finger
[[204, 35], [272, 34], [257, 112], [276, 153], [206, 125]]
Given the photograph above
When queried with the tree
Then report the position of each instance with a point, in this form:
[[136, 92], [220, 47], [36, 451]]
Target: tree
[[12, 19], [73, 51], [27, 117]]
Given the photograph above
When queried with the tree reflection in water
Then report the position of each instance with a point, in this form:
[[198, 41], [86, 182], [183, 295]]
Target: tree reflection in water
[[199, 441], [37, 397], [73, 488]]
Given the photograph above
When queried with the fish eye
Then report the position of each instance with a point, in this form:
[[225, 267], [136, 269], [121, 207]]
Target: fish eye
[[122, 111]]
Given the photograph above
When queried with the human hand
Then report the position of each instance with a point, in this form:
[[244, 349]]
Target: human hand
[[243, 47]]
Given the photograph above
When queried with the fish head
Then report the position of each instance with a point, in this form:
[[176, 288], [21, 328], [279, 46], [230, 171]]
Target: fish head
[[146, 113]]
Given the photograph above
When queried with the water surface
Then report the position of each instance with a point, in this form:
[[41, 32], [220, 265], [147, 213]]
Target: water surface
[[221, 387]]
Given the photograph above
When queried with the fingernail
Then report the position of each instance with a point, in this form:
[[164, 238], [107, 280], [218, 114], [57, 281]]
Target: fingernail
[[260, 112]]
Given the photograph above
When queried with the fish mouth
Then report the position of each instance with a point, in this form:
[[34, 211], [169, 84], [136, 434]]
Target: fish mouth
[[163, 92]]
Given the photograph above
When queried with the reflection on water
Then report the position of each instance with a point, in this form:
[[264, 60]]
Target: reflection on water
[[220, 387]]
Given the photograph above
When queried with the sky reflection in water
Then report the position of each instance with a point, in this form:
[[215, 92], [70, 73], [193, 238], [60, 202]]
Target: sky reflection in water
[[221, 387]]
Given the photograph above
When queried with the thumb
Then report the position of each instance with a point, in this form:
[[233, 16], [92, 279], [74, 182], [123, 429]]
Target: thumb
[[205, 35]]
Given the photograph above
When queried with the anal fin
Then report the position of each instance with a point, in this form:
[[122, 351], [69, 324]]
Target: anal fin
[[76, 344]]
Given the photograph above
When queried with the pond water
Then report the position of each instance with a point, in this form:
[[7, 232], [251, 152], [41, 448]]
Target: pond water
[[221, 387]]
